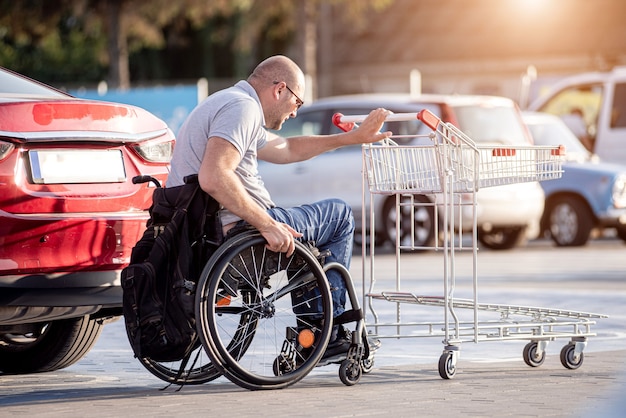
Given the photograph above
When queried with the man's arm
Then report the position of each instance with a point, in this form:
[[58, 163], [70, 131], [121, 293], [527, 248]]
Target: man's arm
[[281, 150], [217, 177]]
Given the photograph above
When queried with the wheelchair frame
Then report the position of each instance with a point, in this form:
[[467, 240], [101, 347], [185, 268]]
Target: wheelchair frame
[[264, 324]]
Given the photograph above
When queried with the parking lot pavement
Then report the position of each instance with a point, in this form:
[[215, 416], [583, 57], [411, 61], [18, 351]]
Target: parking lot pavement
[[492, 379], [479, 389]]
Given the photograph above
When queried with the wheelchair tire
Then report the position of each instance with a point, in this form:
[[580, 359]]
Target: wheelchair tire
[[197, 371], [246, 305]]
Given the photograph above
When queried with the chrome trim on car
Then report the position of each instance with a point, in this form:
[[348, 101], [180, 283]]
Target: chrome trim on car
[[55, 136], [113, 216]]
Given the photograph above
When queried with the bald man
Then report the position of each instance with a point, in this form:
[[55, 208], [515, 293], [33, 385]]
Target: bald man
[[227, 133]]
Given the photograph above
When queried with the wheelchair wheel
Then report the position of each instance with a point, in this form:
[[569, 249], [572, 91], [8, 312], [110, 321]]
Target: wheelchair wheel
[[264, 318], [197, 371]]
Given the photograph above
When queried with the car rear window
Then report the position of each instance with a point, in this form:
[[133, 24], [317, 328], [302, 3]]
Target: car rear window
[[492, 124], [13, 85]]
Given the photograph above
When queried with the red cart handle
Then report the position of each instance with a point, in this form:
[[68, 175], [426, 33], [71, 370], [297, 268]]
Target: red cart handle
[[347, 123]]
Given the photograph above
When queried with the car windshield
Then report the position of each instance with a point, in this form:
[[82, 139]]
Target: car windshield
[[491, 124], [555, 132], [12, 85]]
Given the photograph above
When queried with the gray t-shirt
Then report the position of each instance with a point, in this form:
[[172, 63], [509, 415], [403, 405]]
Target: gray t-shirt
[[233, 114]]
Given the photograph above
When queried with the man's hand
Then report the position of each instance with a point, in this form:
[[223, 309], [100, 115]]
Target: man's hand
[[369, 130], [280, 237]]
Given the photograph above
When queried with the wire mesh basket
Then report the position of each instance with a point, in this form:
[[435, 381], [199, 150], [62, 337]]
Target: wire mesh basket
[[393, 168]]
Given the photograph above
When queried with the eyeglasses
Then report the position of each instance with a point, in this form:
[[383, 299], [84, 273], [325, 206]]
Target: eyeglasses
[[299, 101]]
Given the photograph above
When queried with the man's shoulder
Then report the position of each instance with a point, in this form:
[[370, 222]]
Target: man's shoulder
[[229, 99]]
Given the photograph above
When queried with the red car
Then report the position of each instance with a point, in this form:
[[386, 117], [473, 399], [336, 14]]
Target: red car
[[69, 216]]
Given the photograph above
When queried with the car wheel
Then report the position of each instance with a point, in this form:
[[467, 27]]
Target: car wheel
[[51, 346], [570, 222], [503, 238], [423, 221]]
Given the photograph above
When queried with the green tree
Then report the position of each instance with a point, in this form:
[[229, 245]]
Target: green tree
[[43, 39], [85, 36]]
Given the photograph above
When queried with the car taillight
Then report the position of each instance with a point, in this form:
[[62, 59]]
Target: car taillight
[[155, 152], [5, 149]]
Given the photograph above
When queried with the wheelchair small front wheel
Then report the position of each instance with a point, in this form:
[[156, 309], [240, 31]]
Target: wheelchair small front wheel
[[350, 372]]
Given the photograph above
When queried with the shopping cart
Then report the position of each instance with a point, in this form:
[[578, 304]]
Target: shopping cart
[[453, 168]]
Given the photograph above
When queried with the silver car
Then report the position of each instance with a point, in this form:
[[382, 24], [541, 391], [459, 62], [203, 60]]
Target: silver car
[[507, 215]]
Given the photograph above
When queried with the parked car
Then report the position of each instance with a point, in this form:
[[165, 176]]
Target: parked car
[[594, 106], [69, 216], [590, 194], [507, 215]]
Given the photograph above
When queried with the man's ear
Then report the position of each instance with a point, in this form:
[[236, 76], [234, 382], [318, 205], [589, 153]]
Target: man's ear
[[276, 89]]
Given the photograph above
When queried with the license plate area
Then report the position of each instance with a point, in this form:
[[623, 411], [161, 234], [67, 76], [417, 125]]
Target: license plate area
[[61, 166]]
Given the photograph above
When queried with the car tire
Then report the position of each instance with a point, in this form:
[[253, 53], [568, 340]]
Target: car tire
[[424, 222], [570, 221], [503, 238], [56, 345]]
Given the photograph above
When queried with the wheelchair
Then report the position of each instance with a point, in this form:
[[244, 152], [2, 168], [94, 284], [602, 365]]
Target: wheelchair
[[264, 320]]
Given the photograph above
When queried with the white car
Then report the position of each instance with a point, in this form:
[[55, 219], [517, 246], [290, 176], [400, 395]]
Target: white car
[[593, 105], [507, 215]]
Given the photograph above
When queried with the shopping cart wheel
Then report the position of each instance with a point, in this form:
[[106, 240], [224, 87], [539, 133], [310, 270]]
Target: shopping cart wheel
[[532, 356], [569, 358], [350, 372], [447, 364]]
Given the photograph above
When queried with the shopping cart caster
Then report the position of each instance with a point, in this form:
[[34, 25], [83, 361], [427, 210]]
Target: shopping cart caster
[[534, 353], [350, 372], [447, 362], [572, 355]]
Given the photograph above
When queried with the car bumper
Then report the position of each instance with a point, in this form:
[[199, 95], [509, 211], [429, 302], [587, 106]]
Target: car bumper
[[60, 250], [504, 206], [613, 218], [21, 306]]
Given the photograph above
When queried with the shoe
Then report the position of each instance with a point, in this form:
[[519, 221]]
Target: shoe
[[340, 342], [372, 345]]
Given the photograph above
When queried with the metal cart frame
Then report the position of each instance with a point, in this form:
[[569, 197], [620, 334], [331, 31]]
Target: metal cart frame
[[451, 169]]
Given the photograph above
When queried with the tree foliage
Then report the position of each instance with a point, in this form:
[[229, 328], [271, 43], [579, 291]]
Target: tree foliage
[[82, 40]]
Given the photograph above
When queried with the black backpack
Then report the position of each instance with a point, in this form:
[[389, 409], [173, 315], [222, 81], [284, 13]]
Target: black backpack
[[159, 283]]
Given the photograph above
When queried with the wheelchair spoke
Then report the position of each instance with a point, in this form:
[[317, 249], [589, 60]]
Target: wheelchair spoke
[[262, 301]]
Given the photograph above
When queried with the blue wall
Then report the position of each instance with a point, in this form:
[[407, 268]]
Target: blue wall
[[170, 103]]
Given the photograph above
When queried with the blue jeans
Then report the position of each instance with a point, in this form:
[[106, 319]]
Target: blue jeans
[[330, 224]]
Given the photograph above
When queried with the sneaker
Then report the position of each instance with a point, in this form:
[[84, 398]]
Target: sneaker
[[373, 343], [340, 341]]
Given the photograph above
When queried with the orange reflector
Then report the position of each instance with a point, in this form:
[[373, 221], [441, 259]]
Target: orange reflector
[[503, 152], [306, 338], [560, 151], [223, 300]]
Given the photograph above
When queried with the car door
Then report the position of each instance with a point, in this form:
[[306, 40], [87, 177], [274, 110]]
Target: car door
[[295, 184], [611, 135]]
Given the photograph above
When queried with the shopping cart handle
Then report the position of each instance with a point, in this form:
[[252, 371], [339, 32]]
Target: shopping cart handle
[[347, 123], [344, 126], [429, 119]]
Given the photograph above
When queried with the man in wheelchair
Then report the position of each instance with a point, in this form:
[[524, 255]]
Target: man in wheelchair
[[221, 141]]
